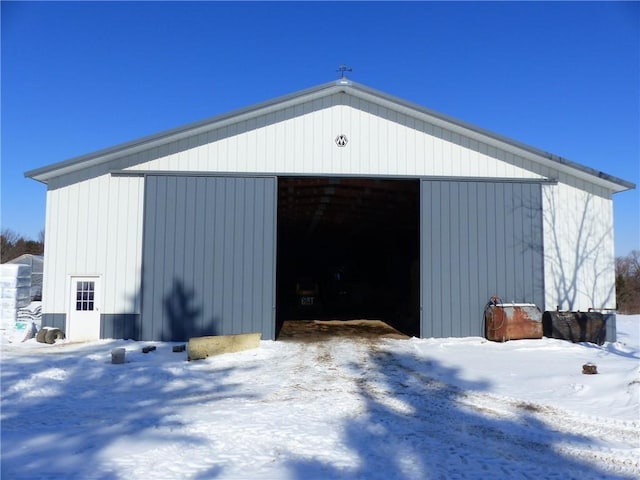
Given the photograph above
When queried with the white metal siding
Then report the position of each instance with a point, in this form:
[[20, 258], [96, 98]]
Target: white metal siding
[[300, 140], [579, 249], [95, 227]]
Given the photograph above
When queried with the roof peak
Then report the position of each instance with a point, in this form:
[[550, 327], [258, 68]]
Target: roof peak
[[345, 85]]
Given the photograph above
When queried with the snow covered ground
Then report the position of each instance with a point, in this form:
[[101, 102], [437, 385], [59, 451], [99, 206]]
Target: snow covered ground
[[345, 408]]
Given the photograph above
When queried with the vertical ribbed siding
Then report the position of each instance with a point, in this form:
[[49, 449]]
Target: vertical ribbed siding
[[478, 239], [209, 257], [95, 228], [300, 140], [579, 248]]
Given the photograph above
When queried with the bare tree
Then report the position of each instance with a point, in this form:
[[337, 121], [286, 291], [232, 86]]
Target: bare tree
[[628, 283], [13, 245]]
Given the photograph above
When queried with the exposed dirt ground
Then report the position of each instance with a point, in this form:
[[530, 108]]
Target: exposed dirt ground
[[320, 330]]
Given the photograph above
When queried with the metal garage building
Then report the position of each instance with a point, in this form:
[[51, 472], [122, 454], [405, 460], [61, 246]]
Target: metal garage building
[[206, 229]]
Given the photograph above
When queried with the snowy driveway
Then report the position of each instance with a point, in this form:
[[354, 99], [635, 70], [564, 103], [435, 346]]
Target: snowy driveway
[[388, 409]]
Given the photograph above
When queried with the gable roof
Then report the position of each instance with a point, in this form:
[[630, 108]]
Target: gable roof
[[44, 174]]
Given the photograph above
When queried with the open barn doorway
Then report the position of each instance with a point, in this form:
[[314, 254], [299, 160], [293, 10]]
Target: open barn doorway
[[349, 248]]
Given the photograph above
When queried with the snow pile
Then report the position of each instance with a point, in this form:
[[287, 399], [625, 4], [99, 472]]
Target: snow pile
[[344, 408]]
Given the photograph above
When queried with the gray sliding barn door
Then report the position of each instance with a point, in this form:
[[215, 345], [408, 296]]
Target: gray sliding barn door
[[478, 239], [208, 257]]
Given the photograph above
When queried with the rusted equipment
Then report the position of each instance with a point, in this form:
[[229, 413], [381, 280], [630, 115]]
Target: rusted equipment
[[512, 321], [575, 326]]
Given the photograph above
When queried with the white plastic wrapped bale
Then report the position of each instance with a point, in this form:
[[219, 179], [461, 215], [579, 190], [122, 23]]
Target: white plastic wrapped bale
[[18, 296], [14, 275], [36, 262], [15, 293]]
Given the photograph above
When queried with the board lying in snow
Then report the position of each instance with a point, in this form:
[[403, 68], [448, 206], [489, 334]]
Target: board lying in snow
[[203, 347]]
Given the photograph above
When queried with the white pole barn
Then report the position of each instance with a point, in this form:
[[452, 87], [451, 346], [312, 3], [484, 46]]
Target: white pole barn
[[413, 217]]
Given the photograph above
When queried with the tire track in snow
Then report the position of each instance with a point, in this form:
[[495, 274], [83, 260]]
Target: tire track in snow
[[611, 445]]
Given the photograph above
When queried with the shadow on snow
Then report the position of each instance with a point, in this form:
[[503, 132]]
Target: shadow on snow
[[417, 427], [411, 424], [70, 421]]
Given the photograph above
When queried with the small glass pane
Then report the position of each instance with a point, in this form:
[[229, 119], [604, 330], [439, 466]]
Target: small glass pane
[[85, 295]]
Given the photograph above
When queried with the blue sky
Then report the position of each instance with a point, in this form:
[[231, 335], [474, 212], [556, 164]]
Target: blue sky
[[78, 77]]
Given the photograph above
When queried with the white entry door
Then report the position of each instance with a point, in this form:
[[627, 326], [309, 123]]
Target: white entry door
[[84, 312]]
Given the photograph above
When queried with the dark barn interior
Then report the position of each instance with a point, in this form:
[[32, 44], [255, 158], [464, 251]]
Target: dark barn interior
[[348, 248]]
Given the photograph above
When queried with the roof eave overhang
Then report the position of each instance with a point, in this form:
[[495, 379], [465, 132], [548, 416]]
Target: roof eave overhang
[[44, 174], [556, 162], [48, 172]]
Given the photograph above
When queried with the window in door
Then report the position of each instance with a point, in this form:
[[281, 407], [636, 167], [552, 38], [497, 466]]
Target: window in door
[[85, 292]]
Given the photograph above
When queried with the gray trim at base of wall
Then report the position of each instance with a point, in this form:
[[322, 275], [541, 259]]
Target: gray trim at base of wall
[[112, 325], [127, 325], [120, 325], [55, 320]]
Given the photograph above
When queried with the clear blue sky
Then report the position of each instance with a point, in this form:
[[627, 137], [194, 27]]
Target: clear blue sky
[[77, 77]]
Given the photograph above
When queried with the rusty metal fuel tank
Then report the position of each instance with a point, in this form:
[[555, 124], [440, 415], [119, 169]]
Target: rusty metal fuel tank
[[512, 321]]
